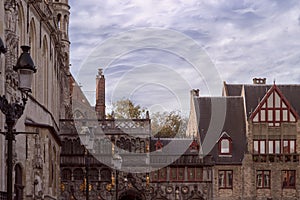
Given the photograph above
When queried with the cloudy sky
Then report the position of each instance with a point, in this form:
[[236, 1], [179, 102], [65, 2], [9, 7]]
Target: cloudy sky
[[154, 52]]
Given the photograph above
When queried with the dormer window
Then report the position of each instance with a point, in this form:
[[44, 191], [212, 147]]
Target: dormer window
[[194, 147], [158, 145], [225, 143], [225, 146]]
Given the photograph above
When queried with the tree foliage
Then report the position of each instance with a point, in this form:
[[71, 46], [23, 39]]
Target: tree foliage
[[126, 109], [168, 124], [163, 124]]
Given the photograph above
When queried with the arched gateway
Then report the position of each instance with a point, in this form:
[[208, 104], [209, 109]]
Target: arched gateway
[[131, 195]]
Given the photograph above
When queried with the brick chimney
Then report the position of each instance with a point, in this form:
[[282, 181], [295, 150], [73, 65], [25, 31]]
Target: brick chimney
[[195, 92], [259, 81], [100, 95]]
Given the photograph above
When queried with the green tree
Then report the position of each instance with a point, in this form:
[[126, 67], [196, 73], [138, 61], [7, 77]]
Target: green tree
[[168, 124], [126, 109], [163, 124]]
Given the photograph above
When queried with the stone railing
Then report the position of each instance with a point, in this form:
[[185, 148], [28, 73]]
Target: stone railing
[[3, 195], [276, 157], [108, 126]]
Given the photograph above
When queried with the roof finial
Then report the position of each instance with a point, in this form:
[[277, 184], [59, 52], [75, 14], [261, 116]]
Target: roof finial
[[274, 81]]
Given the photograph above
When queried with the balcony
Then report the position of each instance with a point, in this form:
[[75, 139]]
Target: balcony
[[3, 195], [290, 158]]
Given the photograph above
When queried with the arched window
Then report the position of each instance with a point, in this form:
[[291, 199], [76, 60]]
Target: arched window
[[78, 174], [18, 182], [32, 44], [21, 25], [77, 147], [66, 24], [45, 68], [78, 114], [66, 174], [59, 21], [105, 175], [127, 146], [94, 174]]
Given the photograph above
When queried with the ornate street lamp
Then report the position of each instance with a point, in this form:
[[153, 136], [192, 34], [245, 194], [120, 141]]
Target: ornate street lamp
[[13, 111], [25, 69], [85, 136], [117, 162]]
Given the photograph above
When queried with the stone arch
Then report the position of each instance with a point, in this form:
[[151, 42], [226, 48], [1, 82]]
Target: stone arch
[[45, 70], [66, 22], [93, 174], [66, 174], [59, 21], [78, 114], [21, 24], [105, 175], [77, 147], [33, 52], [131, 194], [78, 174], [127, 146]]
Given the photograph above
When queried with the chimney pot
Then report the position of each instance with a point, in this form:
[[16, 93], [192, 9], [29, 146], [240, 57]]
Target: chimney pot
[[195, 92], [259, 81]]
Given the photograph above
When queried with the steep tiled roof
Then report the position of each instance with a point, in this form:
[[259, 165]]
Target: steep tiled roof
[[255, 93], [234, 90], [214, 119]]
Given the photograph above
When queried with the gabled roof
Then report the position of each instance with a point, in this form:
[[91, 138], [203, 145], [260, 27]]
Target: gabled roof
[[254, 93], [233, 124], [269, 100]]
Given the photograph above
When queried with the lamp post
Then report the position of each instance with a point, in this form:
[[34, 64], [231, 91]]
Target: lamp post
[[13, 111], [117, 162], [87, 163], [85, 135]]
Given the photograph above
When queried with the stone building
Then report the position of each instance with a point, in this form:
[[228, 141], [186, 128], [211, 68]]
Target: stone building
[[271, 163], [151, 168], [42, 25], [251, 134], [90, 145], [221, 130]]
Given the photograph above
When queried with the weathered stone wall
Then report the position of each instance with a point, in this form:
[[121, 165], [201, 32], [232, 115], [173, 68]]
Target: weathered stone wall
[[237, 190], [32, 23], [275, 163]]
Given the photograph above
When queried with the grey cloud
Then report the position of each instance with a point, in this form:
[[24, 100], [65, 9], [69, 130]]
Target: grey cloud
[[243, 38]]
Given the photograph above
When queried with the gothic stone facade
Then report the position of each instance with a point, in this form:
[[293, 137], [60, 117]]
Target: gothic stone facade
[[169, 168], [43, 25]]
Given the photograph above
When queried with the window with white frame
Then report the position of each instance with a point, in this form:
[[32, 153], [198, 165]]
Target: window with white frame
[[259, 146], [225, 145], [225, 179], [263, 178]]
